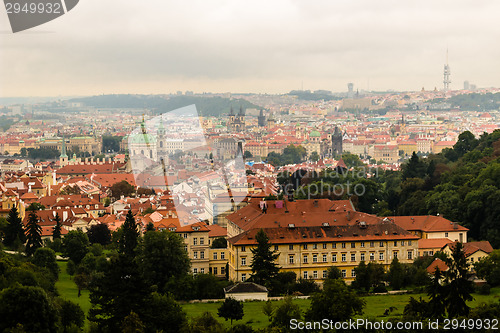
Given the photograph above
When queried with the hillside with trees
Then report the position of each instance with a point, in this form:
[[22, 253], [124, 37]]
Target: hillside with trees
[[206, 106]]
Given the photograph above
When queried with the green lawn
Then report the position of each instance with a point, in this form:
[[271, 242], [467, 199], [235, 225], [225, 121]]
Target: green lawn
[[68, 290], [375, 305]]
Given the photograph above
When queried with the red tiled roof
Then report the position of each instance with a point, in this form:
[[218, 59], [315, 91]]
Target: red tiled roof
[[439, 264], [427, 223], [433, 243], [217, 231]]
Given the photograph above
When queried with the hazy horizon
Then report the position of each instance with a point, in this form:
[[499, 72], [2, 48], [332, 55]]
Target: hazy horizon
[[161, 47]]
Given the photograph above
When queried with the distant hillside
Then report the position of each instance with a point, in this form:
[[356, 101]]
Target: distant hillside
[[206, 106], [472, 102]]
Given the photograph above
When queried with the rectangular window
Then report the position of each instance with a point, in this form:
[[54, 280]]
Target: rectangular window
[[343, 245], [185, 248], [402, 243], [315, 258], [195, 270], [202, 240], [353, 245], [362, 244], [362, 257], [195, 254], [195, 241], [305, 246], [276, 247], [381, 256], [395, 243], [353, 273], [344, 273], [395, 254], [243, 277], [409, 243], [185, 235], [215, 270], [223, 270], [202, 270], [334, 257], [305, 259], [315, 274], [372, 256], [325, 274], [410, 255], [445, 234], [334, 245], [344, 257], [243, 249], [215, 255], [290, 259], [305, 275], [324, 245], [353, 257], [381, 244], [222, 256], [315, 246], [290, 247], [243, 261], [372, 244], [325, 258], [202, 254]]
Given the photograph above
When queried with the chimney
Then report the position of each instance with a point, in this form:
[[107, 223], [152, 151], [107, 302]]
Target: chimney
[[348, 215]]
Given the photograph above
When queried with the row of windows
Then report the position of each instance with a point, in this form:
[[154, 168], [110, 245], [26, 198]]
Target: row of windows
[[213, 270], [195, 240], [362, 257], [343, 245], [314, 274]]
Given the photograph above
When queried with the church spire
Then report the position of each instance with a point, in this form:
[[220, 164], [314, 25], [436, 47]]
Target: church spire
[[63, 149]]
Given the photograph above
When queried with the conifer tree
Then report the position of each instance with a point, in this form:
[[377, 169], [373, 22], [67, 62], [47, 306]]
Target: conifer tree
[[263, 265], [14, 228], [56, 234], [33, 234], [130, 235]]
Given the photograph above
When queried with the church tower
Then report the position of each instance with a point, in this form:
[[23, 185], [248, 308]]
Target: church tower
[[337, 142], [63, 159]]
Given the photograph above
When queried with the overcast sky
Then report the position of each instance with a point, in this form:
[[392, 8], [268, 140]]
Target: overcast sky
[[273, 46]]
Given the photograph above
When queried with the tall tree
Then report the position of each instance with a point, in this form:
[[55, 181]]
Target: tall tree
[[162, 257], [396, 274], [458, 288], [14, 229], [130, 235], [264, 267], [33, 234], [99, 233], [75, 245], [56, 234]]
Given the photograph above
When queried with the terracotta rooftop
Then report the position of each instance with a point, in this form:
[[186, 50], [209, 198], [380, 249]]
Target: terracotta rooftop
[[427, 223], [433, 243], [439, 264]]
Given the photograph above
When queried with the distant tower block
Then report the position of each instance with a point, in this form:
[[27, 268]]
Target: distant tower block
[[446, 74], [466, 85], [350, 90]]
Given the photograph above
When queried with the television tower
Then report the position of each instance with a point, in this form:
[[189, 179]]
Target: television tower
[[446, 74]]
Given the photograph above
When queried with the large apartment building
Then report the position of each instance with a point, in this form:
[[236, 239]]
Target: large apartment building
[[312, 235]]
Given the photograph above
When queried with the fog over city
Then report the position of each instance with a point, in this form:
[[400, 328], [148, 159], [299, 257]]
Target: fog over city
[[159, 46]]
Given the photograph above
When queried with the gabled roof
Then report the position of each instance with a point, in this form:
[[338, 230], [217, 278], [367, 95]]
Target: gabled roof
[[432, 243], [472, 247], [245, 287], [216, 231], [427, 223], [439, 264]]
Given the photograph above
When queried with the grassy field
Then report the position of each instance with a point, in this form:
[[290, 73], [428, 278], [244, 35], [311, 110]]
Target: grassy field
[[68, 290], [375, 305]]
